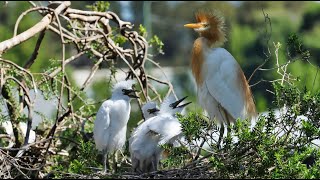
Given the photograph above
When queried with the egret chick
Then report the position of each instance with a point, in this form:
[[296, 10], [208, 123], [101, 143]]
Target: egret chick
[[158, 130], [149, 110], [111, 121]]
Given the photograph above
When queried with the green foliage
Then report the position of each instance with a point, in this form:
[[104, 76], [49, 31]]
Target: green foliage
[[295, 48], [99, 6], [84, 158], [311, 17], [278, 145], [193, 125], [177, 156], [120, 39], [155, 41], [142, 31]]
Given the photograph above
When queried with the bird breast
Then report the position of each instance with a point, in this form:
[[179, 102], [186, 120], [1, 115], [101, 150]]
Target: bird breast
[[197, 60], [120, 113], [110, 128]]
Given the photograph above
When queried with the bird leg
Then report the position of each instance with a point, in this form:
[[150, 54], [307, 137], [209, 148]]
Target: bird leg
[[115, 157], [105, 162], [228, 129], [154, 162], [124, 158], [135, 163], [221, 135], [228, 123]]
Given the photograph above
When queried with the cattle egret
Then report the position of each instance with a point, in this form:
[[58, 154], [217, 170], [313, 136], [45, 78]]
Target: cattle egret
[[222, 88], [157, 130], [111, 121], [149, 110]]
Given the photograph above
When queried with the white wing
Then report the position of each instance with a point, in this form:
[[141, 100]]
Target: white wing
[[168, 127], [101, 125], [222, 81]]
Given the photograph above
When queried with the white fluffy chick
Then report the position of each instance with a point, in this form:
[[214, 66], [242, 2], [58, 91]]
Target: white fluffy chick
[[111, 121], [157, 130], [149, 110]]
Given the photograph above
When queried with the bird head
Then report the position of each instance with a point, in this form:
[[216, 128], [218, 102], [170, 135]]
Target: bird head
[[171, 105], [130, 93], [149, 109], [209, 25], [153, 110], [124, 88]]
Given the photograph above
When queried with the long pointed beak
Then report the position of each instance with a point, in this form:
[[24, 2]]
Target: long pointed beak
[[175, 104], [133, 95], [183, 105], [130, 93], [193, 25]]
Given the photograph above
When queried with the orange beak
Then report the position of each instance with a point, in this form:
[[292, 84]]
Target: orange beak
[[193, 25]]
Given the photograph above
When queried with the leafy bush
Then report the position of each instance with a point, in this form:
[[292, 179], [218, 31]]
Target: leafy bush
[[277, 145]]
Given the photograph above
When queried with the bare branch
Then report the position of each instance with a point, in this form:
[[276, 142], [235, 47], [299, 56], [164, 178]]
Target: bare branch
[[5, 45]]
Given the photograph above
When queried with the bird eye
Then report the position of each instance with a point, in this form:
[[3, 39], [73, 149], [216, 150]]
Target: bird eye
[[123, 90]]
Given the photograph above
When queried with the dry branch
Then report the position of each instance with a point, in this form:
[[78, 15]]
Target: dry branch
[[92, 34], [45, 21]]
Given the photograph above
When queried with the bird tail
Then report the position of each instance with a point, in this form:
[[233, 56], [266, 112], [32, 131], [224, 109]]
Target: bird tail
[[250, 107]]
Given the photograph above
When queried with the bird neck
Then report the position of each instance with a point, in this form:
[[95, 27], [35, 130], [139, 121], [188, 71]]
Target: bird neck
[[120, 95], [198, 58], [214, 38]]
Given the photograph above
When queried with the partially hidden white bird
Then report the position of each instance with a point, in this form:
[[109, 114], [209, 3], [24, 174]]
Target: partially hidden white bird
[[110, 125], [222, 88], [7, 125], [161, 127]]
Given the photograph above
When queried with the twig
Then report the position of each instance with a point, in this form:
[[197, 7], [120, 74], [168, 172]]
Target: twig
[[5, 45], [35, 52]]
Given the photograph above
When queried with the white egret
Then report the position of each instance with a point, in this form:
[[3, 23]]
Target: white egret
[[157, 130], [149, 110], [222, 88], [111, 121], [7, 125]]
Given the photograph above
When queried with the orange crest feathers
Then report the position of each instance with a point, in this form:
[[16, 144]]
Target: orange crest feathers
[[213, 16], [216, 21]]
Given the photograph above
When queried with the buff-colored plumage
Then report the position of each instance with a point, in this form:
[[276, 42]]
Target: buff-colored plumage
[[222, 88]]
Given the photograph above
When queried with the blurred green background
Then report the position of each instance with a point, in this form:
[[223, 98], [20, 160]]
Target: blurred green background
[[249, 36]]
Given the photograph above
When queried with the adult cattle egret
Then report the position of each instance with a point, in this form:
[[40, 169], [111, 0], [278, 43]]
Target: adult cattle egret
[[222, 88], [156, 130], [111, 121]]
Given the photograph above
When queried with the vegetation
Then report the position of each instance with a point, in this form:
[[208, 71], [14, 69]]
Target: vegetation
[[280, 64]]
